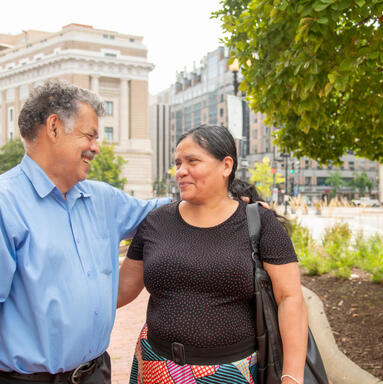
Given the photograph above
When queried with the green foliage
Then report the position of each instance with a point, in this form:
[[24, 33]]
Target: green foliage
[[336, 240], [369, 253], [159, 187], [106, 166], [336, 181], [311, 256], [315, 67], [337, 253], [11, 154], [262, 177], [362, 182]]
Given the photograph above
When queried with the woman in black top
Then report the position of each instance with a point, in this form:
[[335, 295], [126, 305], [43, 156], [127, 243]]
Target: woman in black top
[[195, 260]]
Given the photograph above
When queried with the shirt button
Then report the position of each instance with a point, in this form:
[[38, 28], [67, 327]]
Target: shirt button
[[78, 241], [96, 312], [88, 273]]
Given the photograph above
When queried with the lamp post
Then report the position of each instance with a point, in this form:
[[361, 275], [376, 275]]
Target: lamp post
[[286, 194], [234, 67]]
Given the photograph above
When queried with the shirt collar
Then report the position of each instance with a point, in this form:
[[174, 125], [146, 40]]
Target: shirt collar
[[43, 184]]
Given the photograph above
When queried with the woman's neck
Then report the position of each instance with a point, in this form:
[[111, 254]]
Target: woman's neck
[[209, 214]]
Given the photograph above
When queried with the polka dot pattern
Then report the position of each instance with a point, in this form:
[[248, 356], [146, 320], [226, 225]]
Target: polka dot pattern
[[200, 280]]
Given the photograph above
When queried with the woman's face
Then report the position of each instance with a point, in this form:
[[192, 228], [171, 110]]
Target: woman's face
[[199, 174]]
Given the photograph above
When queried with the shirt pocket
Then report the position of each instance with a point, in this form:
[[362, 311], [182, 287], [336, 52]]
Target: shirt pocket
[[103, 254]]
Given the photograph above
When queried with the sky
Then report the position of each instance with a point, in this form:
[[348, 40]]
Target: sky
[[177, 33]]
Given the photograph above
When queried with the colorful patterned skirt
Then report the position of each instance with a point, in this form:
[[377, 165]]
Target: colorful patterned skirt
[[150, 368]]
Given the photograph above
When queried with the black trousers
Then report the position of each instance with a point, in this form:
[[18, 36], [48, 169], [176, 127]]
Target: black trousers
[[101, 375]]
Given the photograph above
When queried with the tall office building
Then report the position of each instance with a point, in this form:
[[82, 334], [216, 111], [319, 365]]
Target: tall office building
[[111, 64]]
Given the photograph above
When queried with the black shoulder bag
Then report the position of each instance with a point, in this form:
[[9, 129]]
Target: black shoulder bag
[[268, 336]]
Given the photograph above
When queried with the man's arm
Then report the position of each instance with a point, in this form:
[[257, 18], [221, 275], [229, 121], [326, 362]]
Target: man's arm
[[7, 262], [130, 211]]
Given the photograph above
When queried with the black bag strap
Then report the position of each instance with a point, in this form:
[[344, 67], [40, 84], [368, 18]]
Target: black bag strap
[[254, 225]]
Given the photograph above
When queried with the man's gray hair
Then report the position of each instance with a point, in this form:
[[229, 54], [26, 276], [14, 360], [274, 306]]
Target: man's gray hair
[[55, 97]]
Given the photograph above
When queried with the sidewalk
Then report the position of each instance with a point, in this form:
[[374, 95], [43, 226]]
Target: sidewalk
[[129, 321]]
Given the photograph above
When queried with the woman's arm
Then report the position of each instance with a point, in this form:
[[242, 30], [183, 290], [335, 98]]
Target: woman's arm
[[131, 281], [292, 316]]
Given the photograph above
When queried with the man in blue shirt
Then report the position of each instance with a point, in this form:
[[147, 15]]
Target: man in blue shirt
[[59, 239]]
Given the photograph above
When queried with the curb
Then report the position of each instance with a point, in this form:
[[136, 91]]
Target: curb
[[340, 369]]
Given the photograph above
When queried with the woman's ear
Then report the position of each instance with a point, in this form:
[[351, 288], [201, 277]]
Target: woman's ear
[[228, 166]]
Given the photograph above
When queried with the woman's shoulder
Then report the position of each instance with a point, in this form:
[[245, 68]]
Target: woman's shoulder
[[163, 211]]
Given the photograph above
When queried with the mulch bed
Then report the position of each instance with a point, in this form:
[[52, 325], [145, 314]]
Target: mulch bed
[[354, 309]]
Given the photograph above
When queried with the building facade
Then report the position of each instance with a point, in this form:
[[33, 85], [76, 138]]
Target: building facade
[[203, 97], [113, 65]]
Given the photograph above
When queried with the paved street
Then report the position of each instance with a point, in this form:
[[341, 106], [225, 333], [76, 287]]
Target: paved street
[[129, 321]]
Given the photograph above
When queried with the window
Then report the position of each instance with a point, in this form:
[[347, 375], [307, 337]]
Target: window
[[108, 108], [255, 133], [307, 180], [351, 165], [108, 134], [11, 122], [108, 54], [221, 112]]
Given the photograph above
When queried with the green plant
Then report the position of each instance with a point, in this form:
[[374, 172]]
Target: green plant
[[369, 254], [11, 154], [311, 256], [336, 242], [107, 167]]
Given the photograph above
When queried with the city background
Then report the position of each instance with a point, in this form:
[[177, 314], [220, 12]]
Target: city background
[[144, 127]]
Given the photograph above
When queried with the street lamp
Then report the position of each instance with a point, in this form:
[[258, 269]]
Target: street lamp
[[234, 67], [286, 194]]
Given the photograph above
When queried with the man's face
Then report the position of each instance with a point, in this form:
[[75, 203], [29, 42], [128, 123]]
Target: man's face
[[75, 150]]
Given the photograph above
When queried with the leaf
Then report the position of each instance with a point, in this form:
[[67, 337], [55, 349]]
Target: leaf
[[318, 6], [284, 5], [347, 64], [323, 20], [360, 3], [328, 88], [332, 77]]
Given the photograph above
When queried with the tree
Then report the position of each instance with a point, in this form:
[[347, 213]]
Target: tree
[[262, 177], [315, 67], [336, 181], [11, 154], [106, 166], [159, 187], [362, 182]]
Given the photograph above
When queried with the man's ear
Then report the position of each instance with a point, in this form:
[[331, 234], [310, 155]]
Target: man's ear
[[52, 126]]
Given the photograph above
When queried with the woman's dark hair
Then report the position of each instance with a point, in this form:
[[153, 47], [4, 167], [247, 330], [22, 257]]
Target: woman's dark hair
[[218, 141]]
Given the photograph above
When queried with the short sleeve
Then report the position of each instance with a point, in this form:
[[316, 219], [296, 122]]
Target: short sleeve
[[7, 262], [136, 248], [275, 244]]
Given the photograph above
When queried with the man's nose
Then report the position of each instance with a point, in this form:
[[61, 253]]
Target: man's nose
[[94, 147]]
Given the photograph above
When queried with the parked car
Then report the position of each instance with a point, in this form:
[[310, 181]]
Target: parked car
[[366, 202]]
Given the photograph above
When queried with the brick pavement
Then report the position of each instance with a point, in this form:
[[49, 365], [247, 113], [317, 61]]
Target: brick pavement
[[128, 324]]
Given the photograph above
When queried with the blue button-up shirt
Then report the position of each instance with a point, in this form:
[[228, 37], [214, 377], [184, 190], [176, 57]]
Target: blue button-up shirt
[[59, 268]]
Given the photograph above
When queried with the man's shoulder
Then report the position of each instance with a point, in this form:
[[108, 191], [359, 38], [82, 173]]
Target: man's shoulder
[[11, 178], [95, 187]]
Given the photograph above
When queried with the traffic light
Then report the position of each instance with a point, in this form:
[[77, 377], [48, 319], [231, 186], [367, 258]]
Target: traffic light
[[292, 170]]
